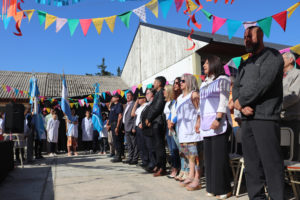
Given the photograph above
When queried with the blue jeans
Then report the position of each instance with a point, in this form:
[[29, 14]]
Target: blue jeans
[[174, 151]]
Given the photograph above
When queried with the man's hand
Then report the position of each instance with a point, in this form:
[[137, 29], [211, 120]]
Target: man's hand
[[247, 111], [147, 123], [170, 125], [231, 104], [215, 125], [197, 128], [140, 126], [237, 105], [117, 131], [133, 131]]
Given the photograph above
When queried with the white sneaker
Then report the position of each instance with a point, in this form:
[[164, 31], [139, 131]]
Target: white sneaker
[[224, 196], [209, 194], [51, 155]]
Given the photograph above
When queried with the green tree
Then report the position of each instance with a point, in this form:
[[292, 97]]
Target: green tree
[[119, 71], [102, 68]]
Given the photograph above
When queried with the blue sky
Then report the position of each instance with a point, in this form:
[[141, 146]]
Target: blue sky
[[47, 51]]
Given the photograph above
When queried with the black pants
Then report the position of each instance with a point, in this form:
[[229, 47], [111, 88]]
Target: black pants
[[38, 146], [95, 141], [141, 146], [295, 126], [17, 153], [103, 144], [263, 160], [150, 149], [159, 143], [132, 146], [216, 160], [87, 145], [118, 140], [52, 147]]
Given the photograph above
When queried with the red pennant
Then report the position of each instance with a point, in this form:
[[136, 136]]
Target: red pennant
[[280, 18], [178, 4], [298, 61], [21, 92], [85, 25]]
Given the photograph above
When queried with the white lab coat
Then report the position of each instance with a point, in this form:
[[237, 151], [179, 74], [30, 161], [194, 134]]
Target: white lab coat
[[73, 129], [87, 129], [52, 129]]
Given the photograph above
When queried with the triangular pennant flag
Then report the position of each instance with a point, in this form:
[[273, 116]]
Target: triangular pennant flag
[[29, 14], [103, 95], [149, 85], [73, 23], [153, 6], [6, 21], [282, 51], [133, 89], [197, 77], [165, 6], [280, 18], [4, 88], [18, 17], [71, 105], [292, 9], [191, 5], [178, 4], [16, 91], [98, 24], [85, 25], [48, 110], [233, 26], [246, 56], [141, 12], [296, 49], [21, 92], [125, 18], [122, 93], [249, 24], [92, 105], [8, 88], [60, 22], [139, 86], [110, 21], [217, 23], [208, 15], [227, 71], [76, 105], [265, 25], [298, 61], [50, 19], [237, 61], [42, 16]]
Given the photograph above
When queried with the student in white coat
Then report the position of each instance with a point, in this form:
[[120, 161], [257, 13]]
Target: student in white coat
[[52, 130], [72, 134], [87, 131]]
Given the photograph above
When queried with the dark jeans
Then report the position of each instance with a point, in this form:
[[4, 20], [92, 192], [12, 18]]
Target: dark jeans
[[103, 144], [95, 141], [216, 159], [141, 146], [132, 146], [295, 126], [263, 160], [159, 144], [38, 146], [87, 145], [150, 149], [52, 147], [174, 152], [118, 139]]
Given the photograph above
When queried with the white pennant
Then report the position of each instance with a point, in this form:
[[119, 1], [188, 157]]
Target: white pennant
[[249, 24], [60, 22], [141, 13]]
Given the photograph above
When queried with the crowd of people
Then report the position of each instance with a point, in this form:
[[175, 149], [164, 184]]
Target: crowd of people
[[195, 124]]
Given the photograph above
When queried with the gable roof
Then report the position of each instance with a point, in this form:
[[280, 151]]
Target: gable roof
[[50, 84]]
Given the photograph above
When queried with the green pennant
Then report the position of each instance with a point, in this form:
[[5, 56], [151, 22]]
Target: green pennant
[[125, 18], [207, 14], [73, 23], [42, 16], [76, 105], [237, 61], [265, 25]]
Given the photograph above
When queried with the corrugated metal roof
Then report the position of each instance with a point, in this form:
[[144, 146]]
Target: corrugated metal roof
[[50, 84]]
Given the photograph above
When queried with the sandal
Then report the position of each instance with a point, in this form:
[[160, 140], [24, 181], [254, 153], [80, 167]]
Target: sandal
[[186, 182], [195, 185], [179, 176]]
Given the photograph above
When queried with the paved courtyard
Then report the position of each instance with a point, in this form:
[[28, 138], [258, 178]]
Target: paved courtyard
[[90, 177]]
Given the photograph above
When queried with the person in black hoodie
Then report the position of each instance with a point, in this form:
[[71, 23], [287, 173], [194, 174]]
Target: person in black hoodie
[[157, 121], [257, 93]]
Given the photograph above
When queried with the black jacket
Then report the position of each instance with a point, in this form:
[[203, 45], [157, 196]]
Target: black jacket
[[156, 111], [258, 84], [146, 130]]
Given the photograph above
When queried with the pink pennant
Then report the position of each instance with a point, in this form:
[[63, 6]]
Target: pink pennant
[[114, 92], [227, 71], [133, 89], [8, 88], [217, 23], [249, 24], [284, 50], [178, 4], [81, 102], [167, 83], [85, 25]]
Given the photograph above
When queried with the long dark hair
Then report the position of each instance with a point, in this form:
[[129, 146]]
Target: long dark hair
[[215, 66], [178, 92]]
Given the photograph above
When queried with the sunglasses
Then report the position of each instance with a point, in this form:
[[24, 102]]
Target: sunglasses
[[177, 83], [182, 81]]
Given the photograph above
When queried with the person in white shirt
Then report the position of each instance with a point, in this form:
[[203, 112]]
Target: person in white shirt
[[103, 136], [87, 132], [52, 130], [72, 134]]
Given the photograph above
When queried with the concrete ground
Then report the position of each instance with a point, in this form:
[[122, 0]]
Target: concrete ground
[[91, 177]]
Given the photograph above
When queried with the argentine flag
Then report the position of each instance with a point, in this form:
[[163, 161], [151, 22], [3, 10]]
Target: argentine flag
[[97, 116], [65, 106]]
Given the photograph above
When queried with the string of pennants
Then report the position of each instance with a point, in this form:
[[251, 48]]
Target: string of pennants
[[236, 62], [58, 3]]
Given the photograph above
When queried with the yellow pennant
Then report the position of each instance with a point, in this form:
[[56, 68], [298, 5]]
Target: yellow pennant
[[192, 5], [197, 77], [92, 105], [122, 93], [29, 14], [50, 19], [98, 24], [139, 86], [153, 6], [48, 110], [246, 56], [296, 49], [4, 87], [71, 105], [292, 9], [110, 21]]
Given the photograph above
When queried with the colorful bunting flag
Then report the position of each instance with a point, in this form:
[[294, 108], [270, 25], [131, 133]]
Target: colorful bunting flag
[[122, 93], [42, 16], [249, 24], [208, 15], [110, 21], [103, 95], [246, 56], [233, 26], [133, 89], [8, 88], [16, 91], [60, 22], [98, 24], [190, 4], [6, 21], [296, 49], [153, 6], [280, 18], [178, 4], [292, 9], [217, 23], [237, 61], [227, 71], [73, 23], [18, 17], [265, 25], [141, 12], [125, 18], [165, 6], [29, 13], [50, 19], [85, 25], [149, 85]]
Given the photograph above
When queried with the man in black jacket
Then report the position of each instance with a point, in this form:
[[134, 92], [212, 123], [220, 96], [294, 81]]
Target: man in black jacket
[[156, 120], [257, 93]]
